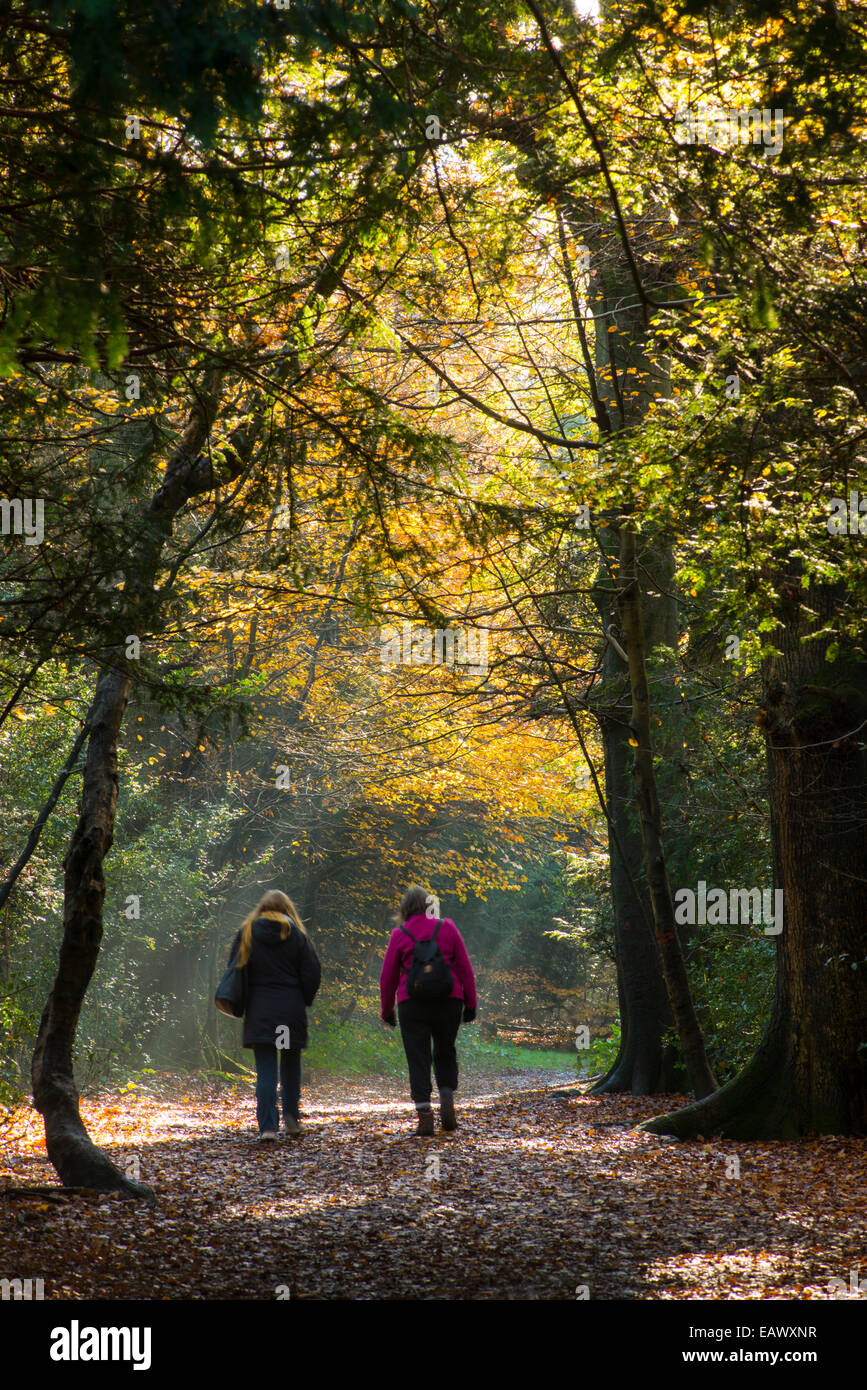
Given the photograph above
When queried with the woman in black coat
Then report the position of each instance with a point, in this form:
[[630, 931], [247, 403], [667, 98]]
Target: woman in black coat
[[282, 979]]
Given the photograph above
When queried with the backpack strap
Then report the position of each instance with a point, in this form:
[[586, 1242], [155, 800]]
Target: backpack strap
[[406, 964], [416, 939]]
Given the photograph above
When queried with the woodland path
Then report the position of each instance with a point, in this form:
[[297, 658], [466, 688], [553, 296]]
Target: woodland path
[[542, 1190]]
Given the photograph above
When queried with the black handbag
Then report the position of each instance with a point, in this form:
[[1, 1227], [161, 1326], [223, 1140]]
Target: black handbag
[[231, 996]]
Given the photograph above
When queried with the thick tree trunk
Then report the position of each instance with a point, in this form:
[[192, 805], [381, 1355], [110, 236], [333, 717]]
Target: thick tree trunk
[[809, 1075]]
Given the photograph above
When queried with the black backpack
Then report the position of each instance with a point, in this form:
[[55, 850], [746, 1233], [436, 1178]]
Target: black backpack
[[428, 976]]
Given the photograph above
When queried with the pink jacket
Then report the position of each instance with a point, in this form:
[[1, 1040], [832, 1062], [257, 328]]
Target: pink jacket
[[399, 955]]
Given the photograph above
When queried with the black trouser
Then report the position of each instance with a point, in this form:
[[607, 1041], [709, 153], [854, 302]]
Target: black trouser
[[422, 1022]]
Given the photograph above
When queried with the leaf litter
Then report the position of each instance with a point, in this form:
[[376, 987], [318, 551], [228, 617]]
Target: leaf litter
[[542, 1192]]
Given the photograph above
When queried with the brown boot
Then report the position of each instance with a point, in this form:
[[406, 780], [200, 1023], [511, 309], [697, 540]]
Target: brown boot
[[425, 1122], [448, 1119]]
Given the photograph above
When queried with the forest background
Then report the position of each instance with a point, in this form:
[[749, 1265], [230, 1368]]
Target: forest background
[[330, 328]]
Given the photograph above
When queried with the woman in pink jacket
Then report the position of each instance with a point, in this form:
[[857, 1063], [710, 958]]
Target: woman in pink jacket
[[433, 995]]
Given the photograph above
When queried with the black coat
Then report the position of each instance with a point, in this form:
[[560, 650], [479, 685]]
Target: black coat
[[282, 977]]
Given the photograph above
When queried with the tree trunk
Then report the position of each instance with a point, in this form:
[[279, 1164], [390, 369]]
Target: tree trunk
[[646, 1062], [77, 1160], [673, 964], [620, 391], [809, 1075]]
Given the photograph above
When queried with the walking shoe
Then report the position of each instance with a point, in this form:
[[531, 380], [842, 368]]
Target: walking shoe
[[267, 1134], [425, 1122], [291, 1126], [448, 1120]]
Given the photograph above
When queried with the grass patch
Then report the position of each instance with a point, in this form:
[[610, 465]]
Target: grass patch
[[363, 1046]]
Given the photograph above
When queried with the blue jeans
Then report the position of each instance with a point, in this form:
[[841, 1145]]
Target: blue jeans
[[266, 1084]]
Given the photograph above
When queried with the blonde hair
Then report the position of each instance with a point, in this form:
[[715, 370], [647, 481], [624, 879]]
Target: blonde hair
[[277, 908]]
